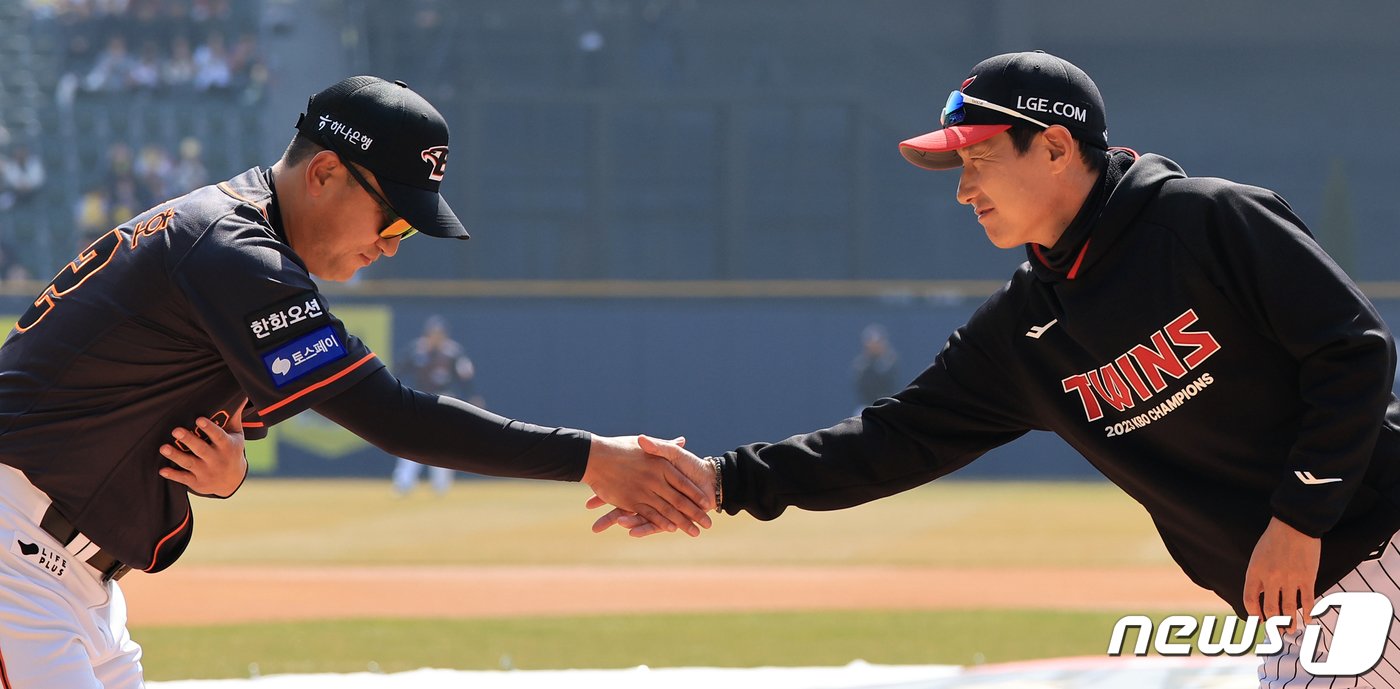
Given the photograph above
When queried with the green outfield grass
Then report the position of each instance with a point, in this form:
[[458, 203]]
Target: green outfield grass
[[360, 522], [782, 639], [948, 523]]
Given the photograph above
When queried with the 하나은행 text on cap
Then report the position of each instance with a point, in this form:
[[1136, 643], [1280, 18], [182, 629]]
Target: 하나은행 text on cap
[[393, 132]]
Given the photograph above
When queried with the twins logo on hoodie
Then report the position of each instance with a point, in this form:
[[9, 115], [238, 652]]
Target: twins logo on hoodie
[[1140, 373]]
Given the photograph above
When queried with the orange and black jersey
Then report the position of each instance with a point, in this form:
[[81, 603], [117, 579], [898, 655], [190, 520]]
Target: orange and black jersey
[[184, 312]]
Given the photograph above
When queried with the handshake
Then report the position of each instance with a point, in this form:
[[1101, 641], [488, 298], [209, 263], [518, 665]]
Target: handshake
[[653, 485]]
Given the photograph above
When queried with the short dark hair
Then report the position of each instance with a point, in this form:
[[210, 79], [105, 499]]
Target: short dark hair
[[301, 148], [1094, 157]]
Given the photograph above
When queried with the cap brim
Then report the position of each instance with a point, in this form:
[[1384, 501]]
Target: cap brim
[[938, 150], [425, 210]]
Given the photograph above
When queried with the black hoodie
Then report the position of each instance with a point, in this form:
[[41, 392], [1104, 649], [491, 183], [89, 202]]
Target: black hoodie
[[1202, 352]]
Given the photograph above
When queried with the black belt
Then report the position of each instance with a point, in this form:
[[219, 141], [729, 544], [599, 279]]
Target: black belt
[[60, 528]]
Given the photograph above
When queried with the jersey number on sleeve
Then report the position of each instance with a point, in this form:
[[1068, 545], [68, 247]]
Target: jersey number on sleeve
[[92, 259]]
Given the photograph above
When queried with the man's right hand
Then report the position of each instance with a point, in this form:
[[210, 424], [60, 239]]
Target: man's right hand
[[697, 471], [626, 472]]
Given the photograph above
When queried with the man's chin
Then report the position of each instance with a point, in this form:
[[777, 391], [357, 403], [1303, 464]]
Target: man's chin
[[1002, 242], [334, 275]]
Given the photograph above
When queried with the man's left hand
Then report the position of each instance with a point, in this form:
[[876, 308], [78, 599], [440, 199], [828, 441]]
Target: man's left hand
[[1282, 573], [215, 467]]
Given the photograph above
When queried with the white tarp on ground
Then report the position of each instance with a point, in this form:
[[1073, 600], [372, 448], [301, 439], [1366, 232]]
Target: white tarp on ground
[[856, 675], [1079, 673]]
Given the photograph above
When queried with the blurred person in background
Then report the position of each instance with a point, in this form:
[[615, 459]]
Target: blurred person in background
[[188, 171], [121, 162], [23, 177], [436, 364], [179, 69], [145, 71], [112, 71], [126, 200], [211, 63], [210, 11], [92, 215], [875, 368], [153, 168]]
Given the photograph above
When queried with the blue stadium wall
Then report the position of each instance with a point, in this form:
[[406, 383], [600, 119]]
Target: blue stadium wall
[[721, 371]]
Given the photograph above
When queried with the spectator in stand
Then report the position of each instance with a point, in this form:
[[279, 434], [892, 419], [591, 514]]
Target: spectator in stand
[[111, 8], [243, 54], [120, 162], [117, 197], [79, 35], [126, 201], [146, 13], [155, 172], [145, 71], [43, 10], [93, 216], [112, 71], [167, 56], [212, 69], [206, 11], [23, 176], [189, 172], [256, 84], [179, 70], [177, 15]]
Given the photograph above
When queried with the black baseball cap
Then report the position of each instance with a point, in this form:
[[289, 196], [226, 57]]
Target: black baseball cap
[[396, 134], [1032, 87]]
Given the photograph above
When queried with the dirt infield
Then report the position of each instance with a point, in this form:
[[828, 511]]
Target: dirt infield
[[212, 595]]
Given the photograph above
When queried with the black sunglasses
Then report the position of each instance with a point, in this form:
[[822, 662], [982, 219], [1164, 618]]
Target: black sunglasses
[[398, 227]]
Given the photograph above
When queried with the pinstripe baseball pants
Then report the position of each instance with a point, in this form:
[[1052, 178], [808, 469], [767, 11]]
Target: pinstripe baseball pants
[[1284, 670]]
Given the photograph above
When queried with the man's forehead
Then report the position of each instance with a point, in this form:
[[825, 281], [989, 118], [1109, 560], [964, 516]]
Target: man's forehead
[[986, 145], [977, 148]]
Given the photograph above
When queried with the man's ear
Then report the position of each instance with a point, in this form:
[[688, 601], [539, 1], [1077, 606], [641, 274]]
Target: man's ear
[[320, 170], [1059, 143]]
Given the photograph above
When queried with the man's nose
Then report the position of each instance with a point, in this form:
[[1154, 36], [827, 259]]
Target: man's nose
[[389, 245], [967, 187]]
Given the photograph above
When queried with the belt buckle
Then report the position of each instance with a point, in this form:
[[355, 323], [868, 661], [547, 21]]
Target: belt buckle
[[116, 572], [109, 567]]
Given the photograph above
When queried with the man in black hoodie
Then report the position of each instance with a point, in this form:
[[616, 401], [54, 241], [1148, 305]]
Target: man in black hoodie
[[1186, 335]]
